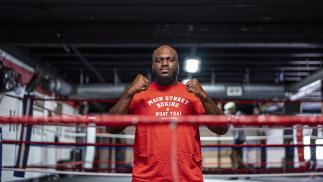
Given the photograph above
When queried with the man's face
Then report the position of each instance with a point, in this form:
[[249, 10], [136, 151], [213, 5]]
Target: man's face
[[165, 65]]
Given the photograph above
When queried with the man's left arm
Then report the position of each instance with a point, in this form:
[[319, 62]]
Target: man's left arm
[[194, 86]]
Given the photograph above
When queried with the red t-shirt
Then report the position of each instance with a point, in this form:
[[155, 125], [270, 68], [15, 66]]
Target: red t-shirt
[[153, 143]]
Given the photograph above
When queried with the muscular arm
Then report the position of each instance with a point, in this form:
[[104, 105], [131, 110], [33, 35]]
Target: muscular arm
[[122, 106], [209, 106]]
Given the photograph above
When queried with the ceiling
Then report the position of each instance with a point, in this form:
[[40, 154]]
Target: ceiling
[[110, 41]]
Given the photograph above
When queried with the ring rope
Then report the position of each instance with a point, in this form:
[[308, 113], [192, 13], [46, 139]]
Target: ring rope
[[110, 120], [206, 163], [129, 175], [83, 144], [206, 169], [237, 101]]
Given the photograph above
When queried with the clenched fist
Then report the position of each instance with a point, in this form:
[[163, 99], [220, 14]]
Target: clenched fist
[[139, 84], [195, 87]]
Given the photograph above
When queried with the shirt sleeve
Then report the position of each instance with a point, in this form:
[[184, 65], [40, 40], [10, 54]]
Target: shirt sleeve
[[199, 109]]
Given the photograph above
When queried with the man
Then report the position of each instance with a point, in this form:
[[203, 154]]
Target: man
[[239, 137], [166, 98]]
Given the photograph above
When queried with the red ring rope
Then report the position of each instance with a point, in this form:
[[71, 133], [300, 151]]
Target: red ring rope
[[237, 101], [83, 144], [205, 170], [105, 120]]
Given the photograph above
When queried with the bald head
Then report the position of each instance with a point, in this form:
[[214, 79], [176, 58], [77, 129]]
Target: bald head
[[165, 48], [165, 65]]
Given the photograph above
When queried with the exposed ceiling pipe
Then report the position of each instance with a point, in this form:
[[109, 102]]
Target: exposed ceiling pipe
[[220, 91], [181, 45]]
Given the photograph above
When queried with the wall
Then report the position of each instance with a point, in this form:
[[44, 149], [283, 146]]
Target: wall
[[38, 155]]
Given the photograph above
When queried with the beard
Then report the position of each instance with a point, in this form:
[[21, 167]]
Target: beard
[[165, 80]]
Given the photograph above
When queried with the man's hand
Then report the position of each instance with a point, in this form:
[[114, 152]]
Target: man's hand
[[195, 87], [139, 84]]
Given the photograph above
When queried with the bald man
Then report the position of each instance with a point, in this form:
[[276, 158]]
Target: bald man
[[166, 98]]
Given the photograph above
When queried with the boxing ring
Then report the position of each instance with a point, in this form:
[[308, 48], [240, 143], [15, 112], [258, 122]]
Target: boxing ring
[[75, 168]]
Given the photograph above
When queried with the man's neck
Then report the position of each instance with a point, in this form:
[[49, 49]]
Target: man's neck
[[166, 83]]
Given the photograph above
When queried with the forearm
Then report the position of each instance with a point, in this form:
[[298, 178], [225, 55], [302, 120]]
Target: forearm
[[211, 108], [121, 107], [220, 130]]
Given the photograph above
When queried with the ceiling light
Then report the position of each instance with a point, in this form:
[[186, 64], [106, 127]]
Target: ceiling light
[[192, 65]]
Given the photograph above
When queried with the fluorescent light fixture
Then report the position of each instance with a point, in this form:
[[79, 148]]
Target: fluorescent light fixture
[[306, 90], [192, 65], [315, 84]]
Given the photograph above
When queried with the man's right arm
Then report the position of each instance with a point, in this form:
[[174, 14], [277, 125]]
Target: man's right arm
[[122, 106]]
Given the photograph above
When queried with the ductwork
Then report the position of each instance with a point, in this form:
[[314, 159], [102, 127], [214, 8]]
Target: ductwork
[[219, 91], [98, 91]]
